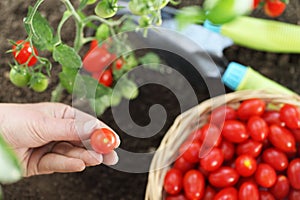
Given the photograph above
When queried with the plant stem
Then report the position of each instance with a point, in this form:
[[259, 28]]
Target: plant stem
[[57, 93], [30, 17]]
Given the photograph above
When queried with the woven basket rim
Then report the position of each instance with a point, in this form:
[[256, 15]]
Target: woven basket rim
[[171, 139]]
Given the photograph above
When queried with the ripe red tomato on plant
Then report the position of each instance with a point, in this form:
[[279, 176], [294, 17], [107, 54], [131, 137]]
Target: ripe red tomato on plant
[[265, 175], [274, 8], [194, 185], [281, 188], [293, 173], [105, 78], [290, 115], [234, 131], [103, 140], [119, 63], [173, 181], [94, 44], [245, 165], [23, 53], [251, 107], [97, 59], [248, 191], [256, 3], [213, 160], [229, 193]]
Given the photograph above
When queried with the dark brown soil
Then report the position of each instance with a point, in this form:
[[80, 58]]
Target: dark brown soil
[[102, 182]]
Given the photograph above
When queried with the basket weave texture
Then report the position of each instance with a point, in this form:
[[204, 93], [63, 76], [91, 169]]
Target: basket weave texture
[[193, 119]]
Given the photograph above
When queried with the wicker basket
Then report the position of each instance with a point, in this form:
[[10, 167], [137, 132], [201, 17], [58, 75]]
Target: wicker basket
[[188, 122]]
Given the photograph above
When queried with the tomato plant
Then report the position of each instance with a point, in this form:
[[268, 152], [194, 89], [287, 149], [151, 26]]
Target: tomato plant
[[19, 76], [103, 140]]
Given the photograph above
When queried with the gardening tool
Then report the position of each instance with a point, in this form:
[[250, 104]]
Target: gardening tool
[[195, 52]]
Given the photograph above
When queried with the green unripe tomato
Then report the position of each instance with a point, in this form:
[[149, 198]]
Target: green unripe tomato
[[102, 32], [19, 76], [105, 9], [222, 11], [39, 82]]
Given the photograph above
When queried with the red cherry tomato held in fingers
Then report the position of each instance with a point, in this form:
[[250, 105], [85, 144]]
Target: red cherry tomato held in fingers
[[103, 141], [234, 131], [281, 188], [228, 149], [294, 194], [183, 165], [229, 193], [249, 147], [221, 114], [248, 191], [213, 160], [209, 194], [290, 115], [211, 134], [282, 138], [97, 59], [293, 173], [265, 195], [173, 181], [191, 154], [23, 52], [194, 185], [274, 8], [265, 175], [258, 128], [276, 158], [272, 117], [223, 177], [176, 197], [245, 165], [251, 107]]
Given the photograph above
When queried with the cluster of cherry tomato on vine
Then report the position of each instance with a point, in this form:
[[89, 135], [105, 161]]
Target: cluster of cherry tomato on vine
[[22, 73], [255, 156], [272, 8]]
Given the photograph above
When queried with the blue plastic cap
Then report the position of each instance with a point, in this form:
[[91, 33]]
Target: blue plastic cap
[[212, 27], [234, 75]]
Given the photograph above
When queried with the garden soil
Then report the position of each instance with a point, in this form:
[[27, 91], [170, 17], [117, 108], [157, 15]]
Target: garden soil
[[103, 182]]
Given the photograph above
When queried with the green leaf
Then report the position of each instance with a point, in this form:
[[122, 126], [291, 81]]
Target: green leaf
[[67, 56], [100, 104], [190, 15], [128, 25], [151, 60], [43, 33], [128, 88], [67, 78], [9, 165]]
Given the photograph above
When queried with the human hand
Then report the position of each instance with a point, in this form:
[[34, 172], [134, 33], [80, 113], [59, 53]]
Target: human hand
[[50, 137]]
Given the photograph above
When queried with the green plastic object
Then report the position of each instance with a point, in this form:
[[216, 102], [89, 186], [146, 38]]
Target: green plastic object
[[239, 77], [10, 168], [263, 35]]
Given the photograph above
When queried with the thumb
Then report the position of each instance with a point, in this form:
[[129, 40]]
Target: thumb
[[55, 129]]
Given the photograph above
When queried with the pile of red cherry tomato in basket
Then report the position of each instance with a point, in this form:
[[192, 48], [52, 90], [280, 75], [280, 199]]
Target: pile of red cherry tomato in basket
[[272, 8], [255, 156]]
